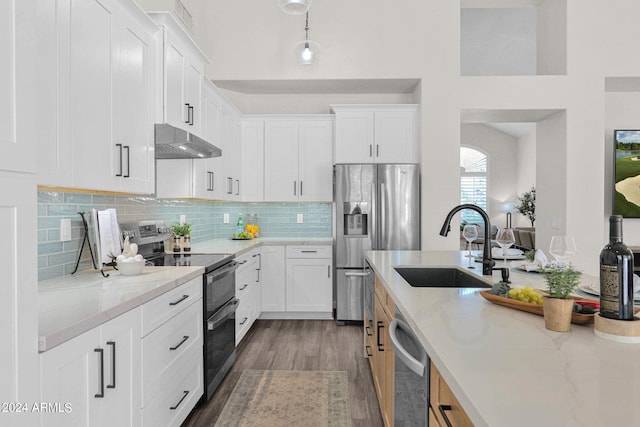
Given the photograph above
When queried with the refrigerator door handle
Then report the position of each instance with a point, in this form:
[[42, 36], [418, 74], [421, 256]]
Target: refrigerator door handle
[[383, 218], [373, 224]]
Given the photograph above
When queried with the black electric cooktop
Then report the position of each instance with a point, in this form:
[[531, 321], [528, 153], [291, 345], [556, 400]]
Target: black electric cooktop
[[209, 261]]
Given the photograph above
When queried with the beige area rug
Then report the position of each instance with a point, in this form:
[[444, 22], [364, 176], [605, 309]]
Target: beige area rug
[[288, 398]]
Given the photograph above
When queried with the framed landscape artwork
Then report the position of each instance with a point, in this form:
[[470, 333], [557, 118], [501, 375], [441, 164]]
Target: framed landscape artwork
[[626, 195]]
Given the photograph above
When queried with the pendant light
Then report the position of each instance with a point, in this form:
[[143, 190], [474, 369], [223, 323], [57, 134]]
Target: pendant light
[[307, 51], [294, 7]]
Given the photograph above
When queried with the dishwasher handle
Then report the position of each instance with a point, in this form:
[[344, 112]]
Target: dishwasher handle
[[417, 366]]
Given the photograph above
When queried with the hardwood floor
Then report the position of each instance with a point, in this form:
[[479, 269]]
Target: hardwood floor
[[300, 345]]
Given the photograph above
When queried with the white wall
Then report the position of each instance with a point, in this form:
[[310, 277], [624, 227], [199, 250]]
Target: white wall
[[365, 39], [551, 180], [502, 152], [498, 41], [526, 174]]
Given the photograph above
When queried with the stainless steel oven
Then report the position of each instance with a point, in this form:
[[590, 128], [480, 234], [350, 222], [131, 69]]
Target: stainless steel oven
[[220, 305]]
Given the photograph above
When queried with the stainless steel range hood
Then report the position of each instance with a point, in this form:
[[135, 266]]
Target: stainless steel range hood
[[175, 143]]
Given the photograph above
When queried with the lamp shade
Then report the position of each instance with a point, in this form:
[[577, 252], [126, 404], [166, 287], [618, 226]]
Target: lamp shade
[[294, 7], [307, 53], [508, 207]]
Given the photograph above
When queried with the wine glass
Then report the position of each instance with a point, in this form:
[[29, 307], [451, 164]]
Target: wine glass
[[470, 233], [562, 248], [505, 239]]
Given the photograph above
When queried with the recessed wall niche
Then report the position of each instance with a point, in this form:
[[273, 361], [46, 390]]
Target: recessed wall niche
[[513, 37]]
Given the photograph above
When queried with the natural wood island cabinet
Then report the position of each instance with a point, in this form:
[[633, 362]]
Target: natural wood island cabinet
[[378, 349], [441, 401]]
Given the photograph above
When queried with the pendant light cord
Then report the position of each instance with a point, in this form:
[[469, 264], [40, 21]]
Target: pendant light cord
[[306, 28]]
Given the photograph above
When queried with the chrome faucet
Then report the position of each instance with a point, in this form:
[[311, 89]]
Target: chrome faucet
[[487, 262]]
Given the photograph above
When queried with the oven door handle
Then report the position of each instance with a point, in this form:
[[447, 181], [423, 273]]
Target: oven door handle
[[220, 316], [232, 266]]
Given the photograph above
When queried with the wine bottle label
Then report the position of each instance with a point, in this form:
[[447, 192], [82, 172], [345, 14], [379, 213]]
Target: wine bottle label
[[609, 291]]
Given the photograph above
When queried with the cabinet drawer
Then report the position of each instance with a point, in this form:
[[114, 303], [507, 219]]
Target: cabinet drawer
[[441, 394], [245, 281], [174, 402], [163, 308], [308, 251], [163, 347]]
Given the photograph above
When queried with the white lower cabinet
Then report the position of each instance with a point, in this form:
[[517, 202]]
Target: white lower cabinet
[[247, 291], [172, 376], [297, 282], [97, 374], [273, 288], [143, 367]]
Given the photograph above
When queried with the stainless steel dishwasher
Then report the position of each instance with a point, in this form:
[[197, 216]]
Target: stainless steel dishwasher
[[411, 379]]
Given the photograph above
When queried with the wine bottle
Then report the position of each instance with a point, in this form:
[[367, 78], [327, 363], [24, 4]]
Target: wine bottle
[[616, 275]]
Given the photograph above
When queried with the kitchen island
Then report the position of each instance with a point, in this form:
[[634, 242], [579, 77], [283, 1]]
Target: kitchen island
[[504, 366]]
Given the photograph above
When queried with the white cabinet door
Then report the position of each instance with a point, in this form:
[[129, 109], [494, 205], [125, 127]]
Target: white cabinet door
[[175, 68], [134, 107], [281, 160], [395, 137], [354, 137], [193, 98], [273, 278], [309, 285], [91, 59], [71, 373], [120, 339], [81, 372], [315, 160], [252, 141], [16, 22]]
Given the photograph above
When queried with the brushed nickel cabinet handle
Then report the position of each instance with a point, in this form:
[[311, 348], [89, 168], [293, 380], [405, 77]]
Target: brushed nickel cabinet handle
[[244, 321]]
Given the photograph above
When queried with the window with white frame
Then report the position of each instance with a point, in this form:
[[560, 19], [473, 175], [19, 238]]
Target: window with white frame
[[473, 182]]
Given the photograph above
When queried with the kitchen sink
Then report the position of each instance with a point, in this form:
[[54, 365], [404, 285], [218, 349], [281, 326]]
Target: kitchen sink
[[440, 277]]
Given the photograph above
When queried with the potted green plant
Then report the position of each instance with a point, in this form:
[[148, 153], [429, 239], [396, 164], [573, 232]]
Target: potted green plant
[[561, 280], [181, 237], [527, 204]]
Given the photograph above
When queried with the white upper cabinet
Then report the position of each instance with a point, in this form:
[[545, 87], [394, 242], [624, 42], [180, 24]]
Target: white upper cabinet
[[216, 178], [315, 154], [98, 108], [298, 159], [252, 142], [184, 66], [376, 133], [281, 160], [17, 151]]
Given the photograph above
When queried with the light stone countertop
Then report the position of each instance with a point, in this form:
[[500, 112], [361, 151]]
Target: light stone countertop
[[73, 304], [503, 365]]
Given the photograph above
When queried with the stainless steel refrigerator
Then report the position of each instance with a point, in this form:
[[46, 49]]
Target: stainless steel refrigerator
[[377, 207]]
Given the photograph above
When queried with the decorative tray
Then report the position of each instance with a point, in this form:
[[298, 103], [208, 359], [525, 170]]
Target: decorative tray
[[241, 238], [578, 318]]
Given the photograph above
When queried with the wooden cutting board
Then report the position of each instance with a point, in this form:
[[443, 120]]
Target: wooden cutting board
[[577, 318]]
